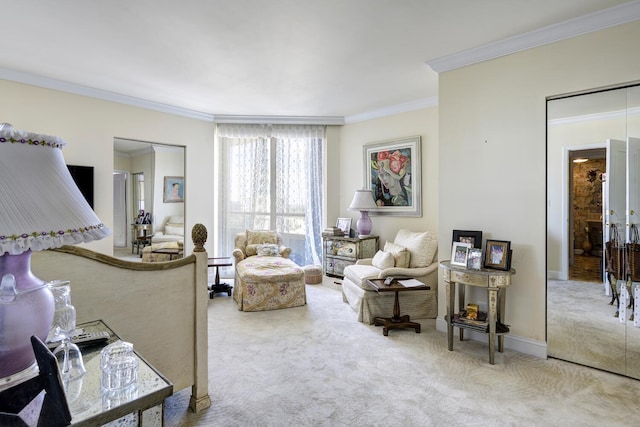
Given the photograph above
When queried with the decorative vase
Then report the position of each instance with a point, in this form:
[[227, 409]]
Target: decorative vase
[[26, 309], [586, 244]]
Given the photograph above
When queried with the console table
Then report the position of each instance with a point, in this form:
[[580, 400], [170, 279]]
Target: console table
[[140, 236], [495, 282]]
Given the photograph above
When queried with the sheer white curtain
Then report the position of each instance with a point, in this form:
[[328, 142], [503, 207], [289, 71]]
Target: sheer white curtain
[[271, 179]]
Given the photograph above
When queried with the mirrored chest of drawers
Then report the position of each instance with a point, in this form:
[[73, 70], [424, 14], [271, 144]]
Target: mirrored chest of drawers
[[339, 252]]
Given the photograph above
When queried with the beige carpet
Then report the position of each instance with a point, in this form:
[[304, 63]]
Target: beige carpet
[[126, 254], [582, 328], [317, 366]]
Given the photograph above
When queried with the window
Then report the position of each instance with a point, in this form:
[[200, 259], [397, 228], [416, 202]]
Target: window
[[138, 193], [271, 179]]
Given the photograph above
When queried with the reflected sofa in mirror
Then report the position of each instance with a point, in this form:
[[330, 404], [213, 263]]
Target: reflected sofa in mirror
[[140, 172], [591, 183]]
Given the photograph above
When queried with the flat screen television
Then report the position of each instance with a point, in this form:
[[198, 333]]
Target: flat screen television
[[83, 177]]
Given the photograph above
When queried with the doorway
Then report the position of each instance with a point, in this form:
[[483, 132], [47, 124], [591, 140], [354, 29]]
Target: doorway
[[120, 209], [586, 188]]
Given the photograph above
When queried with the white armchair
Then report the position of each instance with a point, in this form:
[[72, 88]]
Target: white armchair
[[411, 254]]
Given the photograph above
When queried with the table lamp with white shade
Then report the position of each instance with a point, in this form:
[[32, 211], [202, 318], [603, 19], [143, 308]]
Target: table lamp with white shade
[[41, 207], [363, 202]]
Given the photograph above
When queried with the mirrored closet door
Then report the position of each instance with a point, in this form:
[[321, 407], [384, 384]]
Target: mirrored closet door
[[593, 182]]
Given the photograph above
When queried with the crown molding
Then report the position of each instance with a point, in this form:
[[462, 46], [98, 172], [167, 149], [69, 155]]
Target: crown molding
[[279, 120], [135, 153], [62, 86], [120, 154], [168, 148], [394, 109], [596, 21], [59, 85], [634, 111], [588, 118]]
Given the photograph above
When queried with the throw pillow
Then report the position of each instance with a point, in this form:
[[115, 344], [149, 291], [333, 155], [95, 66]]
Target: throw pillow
[[176, 219], [383, 260], [400, 254], [251, 250], [261, 237], [174, 229], [421, 245], [268, 250]]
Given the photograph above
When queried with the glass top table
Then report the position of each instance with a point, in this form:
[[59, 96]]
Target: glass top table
[[90, 406]]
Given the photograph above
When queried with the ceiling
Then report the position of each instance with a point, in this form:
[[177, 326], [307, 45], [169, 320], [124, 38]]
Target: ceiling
[[314, 58]]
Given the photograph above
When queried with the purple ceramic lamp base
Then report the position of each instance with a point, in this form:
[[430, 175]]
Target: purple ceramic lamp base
[[25, 310], [364, 224]]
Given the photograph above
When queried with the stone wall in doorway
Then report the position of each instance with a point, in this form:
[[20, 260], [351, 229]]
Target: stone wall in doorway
[[587, 200]]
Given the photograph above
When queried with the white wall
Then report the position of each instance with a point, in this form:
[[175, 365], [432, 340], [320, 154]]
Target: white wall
[[89, 127], [492, 153], [354, 136]]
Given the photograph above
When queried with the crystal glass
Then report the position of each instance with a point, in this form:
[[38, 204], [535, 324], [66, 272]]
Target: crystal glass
[[119, 366], [61, 290], [67, 354]]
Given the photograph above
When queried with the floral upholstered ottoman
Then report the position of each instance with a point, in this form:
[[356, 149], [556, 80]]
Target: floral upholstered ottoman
[[268, 283], [159, 252]]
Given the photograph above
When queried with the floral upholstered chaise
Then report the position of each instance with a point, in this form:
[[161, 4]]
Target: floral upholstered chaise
[[266, 279]]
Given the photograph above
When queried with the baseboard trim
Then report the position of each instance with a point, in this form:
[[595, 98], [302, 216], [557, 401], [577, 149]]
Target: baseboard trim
[[511, 342], [554, 275]]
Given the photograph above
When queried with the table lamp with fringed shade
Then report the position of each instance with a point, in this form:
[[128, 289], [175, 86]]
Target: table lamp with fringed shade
[[363, 202], [40, 208]]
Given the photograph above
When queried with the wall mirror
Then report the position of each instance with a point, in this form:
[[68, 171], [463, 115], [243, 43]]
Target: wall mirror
[[148, 178], [593, 164]]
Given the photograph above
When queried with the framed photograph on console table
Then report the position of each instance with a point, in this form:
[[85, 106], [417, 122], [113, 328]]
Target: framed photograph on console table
[[497, 254], [465, 236], [344, 224], [460, 253], [392, 174], [474, 259]]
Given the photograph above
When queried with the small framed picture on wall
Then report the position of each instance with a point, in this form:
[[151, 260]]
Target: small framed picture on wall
[[173, 189]]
